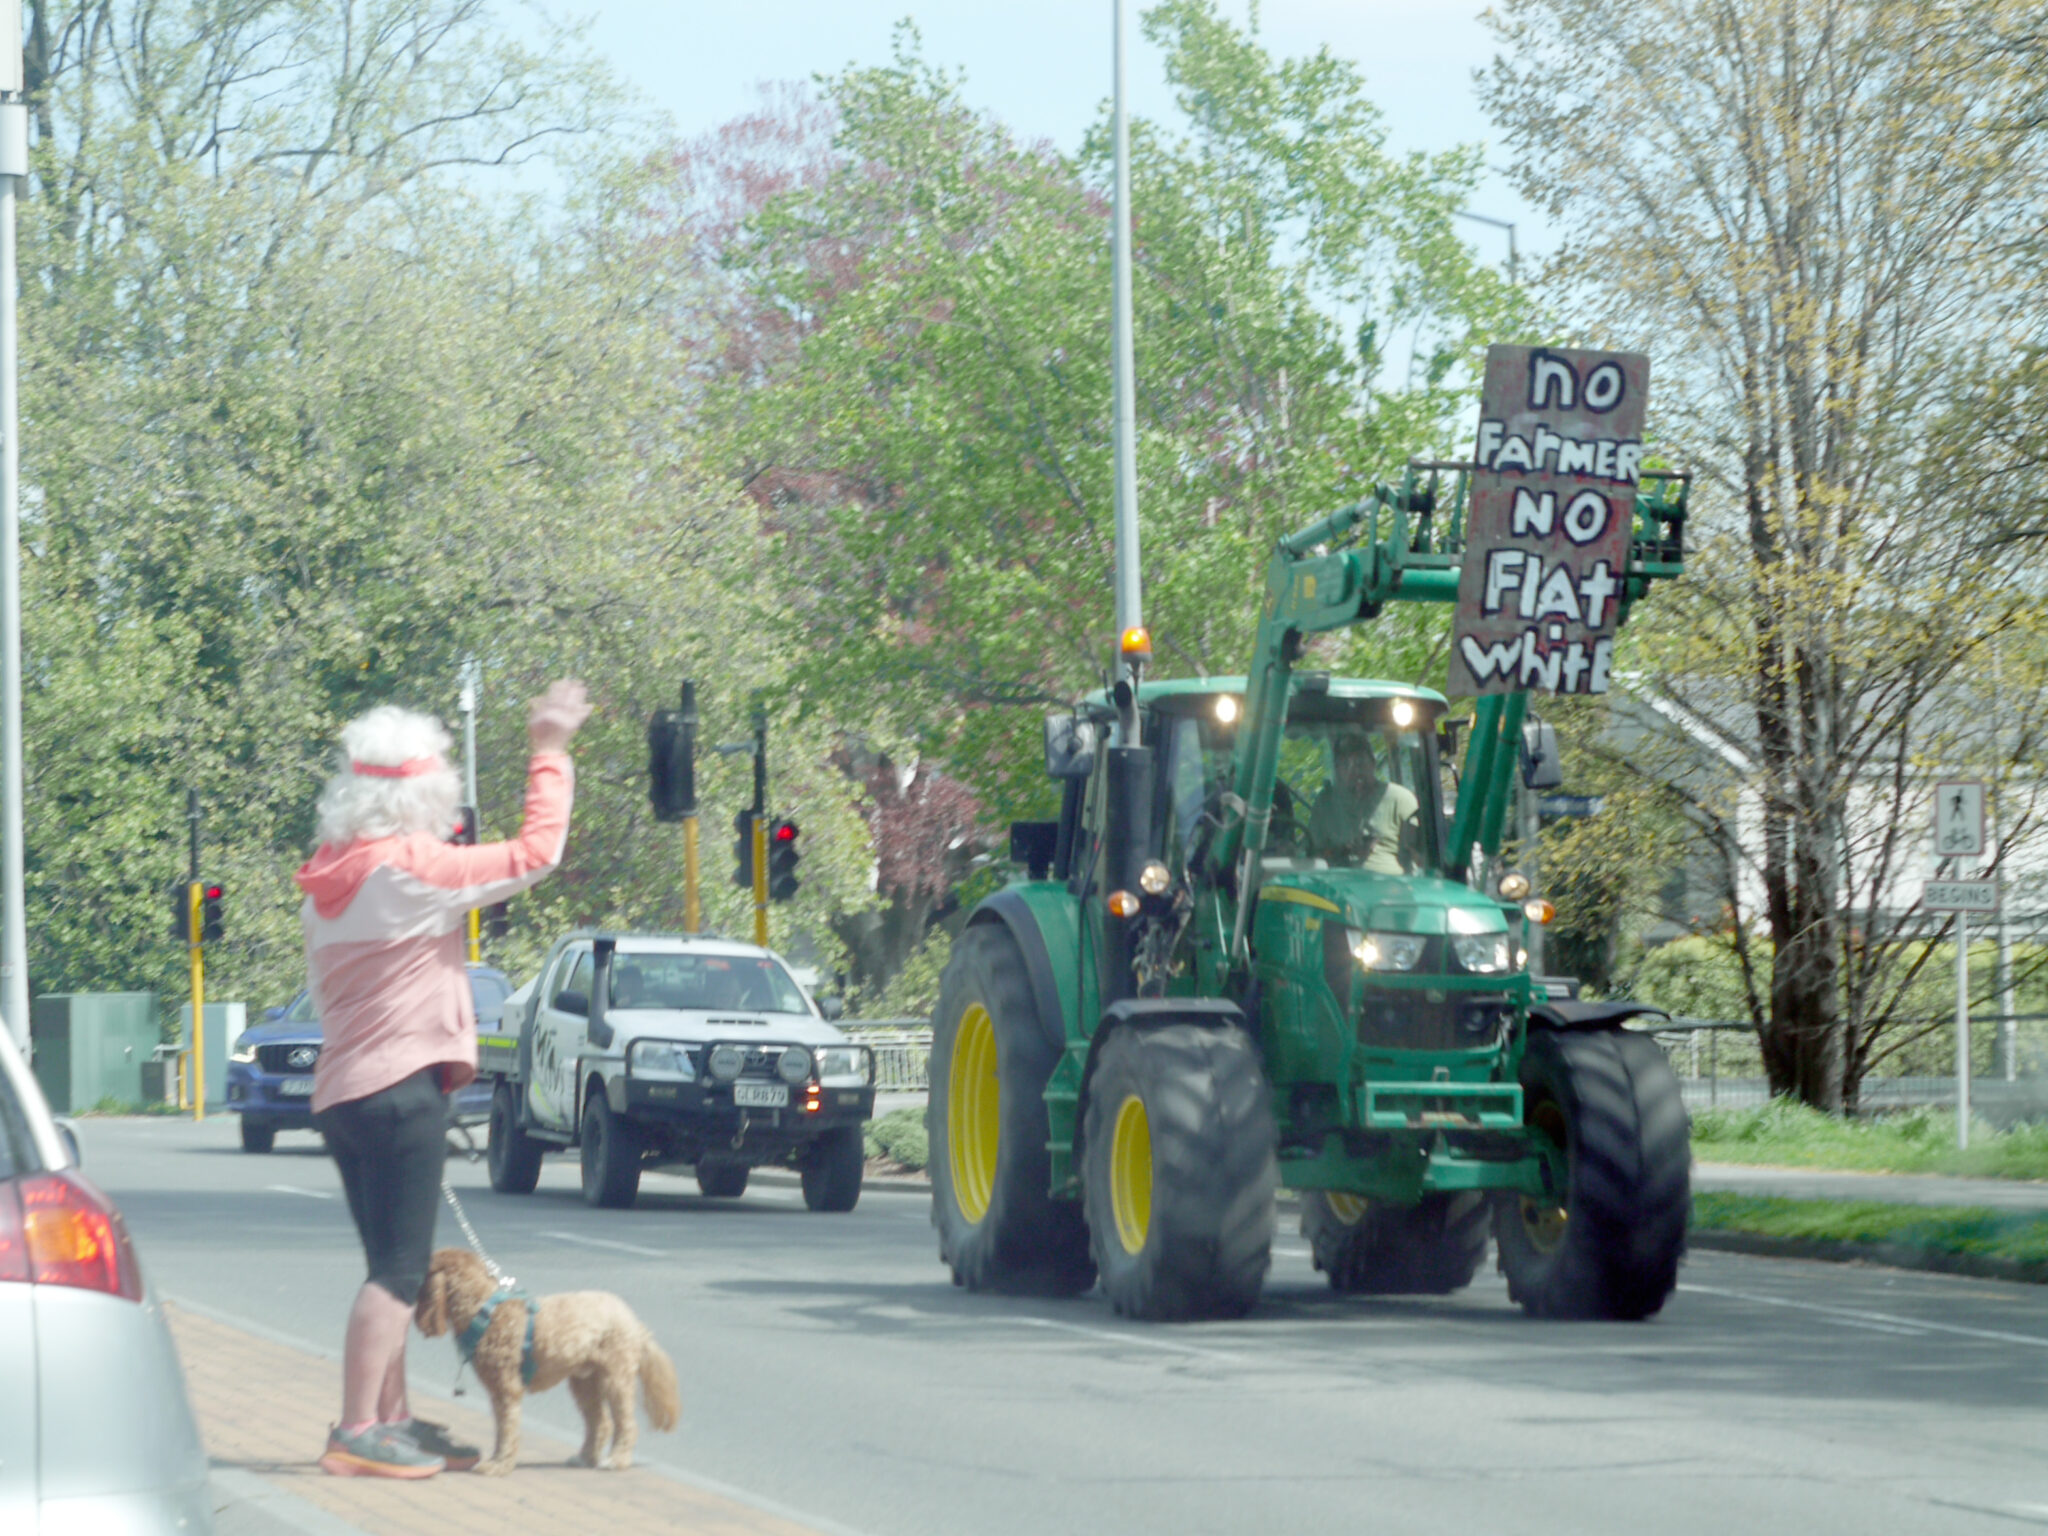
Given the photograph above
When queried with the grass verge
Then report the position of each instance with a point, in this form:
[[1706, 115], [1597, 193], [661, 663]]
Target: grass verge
[[899, 1138], [1970, 1238], [1786, 1134]]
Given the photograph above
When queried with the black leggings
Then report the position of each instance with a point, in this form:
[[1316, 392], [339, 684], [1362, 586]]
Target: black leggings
[[390, 1147]]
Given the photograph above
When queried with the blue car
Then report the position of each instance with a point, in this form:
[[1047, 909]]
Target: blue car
[[270, 1069]]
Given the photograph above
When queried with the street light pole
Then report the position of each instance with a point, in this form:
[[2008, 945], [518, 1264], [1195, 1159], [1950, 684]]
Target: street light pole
[[1514, 262], [13, 169], [1129, 605]]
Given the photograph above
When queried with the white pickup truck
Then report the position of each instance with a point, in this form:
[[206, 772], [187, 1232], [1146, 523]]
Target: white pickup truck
[[649, 1050]]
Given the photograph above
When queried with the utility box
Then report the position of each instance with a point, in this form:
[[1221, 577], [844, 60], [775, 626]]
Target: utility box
[[92, 1046], [224, 1024]]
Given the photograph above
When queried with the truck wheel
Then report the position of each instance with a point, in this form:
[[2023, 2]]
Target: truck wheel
[[1428, 1249], [258, 1135], [999, 1227], [611, 1156], [1607, 1245], [721, 1180], [831, 1169], [1180, 1168], [513, 1157]]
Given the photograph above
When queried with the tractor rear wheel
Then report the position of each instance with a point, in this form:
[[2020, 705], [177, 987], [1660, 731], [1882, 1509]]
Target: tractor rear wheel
[[1372, 1248], [1180, 1167], [1607, 1244], [999, 1227]]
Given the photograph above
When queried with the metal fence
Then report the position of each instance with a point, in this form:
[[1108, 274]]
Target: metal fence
[[903, 1051]]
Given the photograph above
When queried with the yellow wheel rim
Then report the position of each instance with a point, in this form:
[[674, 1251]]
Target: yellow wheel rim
[[1130, 1174], [973, 1112], [1348, 1209], [1544, 1224], [1543, 1221]]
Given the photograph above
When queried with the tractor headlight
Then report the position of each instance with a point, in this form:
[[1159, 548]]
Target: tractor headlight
[[793, 1066], [1388, 951], [244, 1051], [661, 1058], [1485, 954], [1154, 878], [844, 1066]]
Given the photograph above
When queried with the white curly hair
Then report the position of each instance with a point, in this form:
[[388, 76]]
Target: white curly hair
[[359, 805]]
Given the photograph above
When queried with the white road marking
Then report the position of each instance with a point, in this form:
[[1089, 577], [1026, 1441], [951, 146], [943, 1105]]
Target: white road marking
[[605, 1242], [1127, 1338], [293, 1189], [1896, 1323], [1915, 1332]]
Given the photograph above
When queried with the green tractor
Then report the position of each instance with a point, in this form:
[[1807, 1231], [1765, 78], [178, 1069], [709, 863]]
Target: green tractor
[[1253, 951]]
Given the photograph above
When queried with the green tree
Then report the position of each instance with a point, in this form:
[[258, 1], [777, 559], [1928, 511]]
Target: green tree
[[1810, 212], [938, 443]]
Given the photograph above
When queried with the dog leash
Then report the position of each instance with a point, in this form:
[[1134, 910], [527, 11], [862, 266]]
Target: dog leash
[[505, 1284]]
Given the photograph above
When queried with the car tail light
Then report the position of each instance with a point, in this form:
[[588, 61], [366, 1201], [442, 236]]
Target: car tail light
[[56, 1229]]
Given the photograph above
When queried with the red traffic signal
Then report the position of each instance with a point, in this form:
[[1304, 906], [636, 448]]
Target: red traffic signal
[[782, 860], [463, 833]]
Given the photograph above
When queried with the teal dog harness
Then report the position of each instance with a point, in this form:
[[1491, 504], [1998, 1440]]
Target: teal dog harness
[[467, 1341]]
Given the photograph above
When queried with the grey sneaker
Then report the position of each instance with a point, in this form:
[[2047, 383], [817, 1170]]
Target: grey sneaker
[[435, 1440], [377, 1450]]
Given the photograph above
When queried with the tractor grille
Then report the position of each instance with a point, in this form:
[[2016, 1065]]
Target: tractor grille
[[287, 1058], [1421, 1021]]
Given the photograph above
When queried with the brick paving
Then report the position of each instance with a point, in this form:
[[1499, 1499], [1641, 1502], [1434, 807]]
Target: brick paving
[[265, 1408]]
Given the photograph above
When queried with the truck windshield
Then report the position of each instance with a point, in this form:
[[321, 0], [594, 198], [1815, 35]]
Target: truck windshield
[[747, 983]]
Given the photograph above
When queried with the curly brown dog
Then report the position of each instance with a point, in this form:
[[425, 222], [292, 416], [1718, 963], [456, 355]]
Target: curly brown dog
[[591, 1339]]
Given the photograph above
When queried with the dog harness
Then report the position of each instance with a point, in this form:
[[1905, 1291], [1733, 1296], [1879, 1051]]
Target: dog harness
[[467, 1340]]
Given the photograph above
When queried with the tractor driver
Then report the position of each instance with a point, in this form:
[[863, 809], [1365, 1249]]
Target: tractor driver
[[1361, 819]]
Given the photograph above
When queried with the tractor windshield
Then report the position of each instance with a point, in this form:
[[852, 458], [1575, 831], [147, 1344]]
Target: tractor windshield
[[1354, 789], [1353, 795]]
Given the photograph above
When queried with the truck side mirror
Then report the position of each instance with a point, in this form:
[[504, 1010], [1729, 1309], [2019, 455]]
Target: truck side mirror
[[832, 1009], [599, 1030], [1069, 746], [1541, 766], [572, 1002]]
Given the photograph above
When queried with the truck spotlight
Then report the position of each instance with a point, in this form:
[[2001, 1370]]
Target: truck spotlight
[[1514, 885], [1122, 904], [1403, 713], [727, 1061], [793, 1066], [1153, 878], [1539, 911]]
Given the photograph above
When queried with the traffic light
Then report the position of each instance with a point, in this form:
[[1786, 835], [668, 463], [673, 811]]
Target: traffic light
[[464, 832], [498, 920], [743, 850], [211, 928], [181, 911], [672, 761], [782, 860]]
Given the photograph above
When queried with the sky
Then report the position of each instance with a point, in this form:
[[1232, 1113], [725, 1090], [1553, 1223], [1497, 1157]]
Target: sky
[[1044, 66]]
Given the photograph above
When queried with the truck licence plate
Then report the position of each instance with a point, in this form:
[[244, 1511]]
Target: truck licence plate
[[761, 1095], [296, 1087]]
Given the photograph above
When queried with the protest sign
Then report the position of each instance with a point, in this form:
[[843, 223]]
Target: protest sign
[[1548, 524]]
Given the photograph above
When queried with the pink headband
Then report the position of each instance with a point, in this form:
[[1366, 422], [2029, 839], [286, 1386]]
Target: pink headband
[[411, 768]]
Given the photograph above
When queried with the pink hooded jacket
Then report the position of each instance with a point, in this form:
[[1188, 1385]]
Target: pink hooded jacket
[[384, 920]]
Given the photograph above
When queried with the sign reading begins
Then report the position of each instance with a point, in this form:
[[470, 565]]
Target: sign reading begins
[[1551, 514]]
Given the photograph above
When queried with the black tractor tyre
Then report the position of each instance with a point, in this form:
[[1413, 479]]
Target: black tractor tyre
[[832, 1167], [722, 1178], [999, 1227], [258, 1135], [1180, 1170], [611, 1156], [1609, 1245], [1375, 1249], [511, 1156]]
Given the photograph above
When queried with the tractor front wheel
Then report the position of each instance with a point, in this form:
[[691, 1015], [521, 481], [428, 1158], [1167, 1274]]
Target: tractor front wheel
[[999, 1227], [1371, 1248], [1180, 1162], [1606, 1243]]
